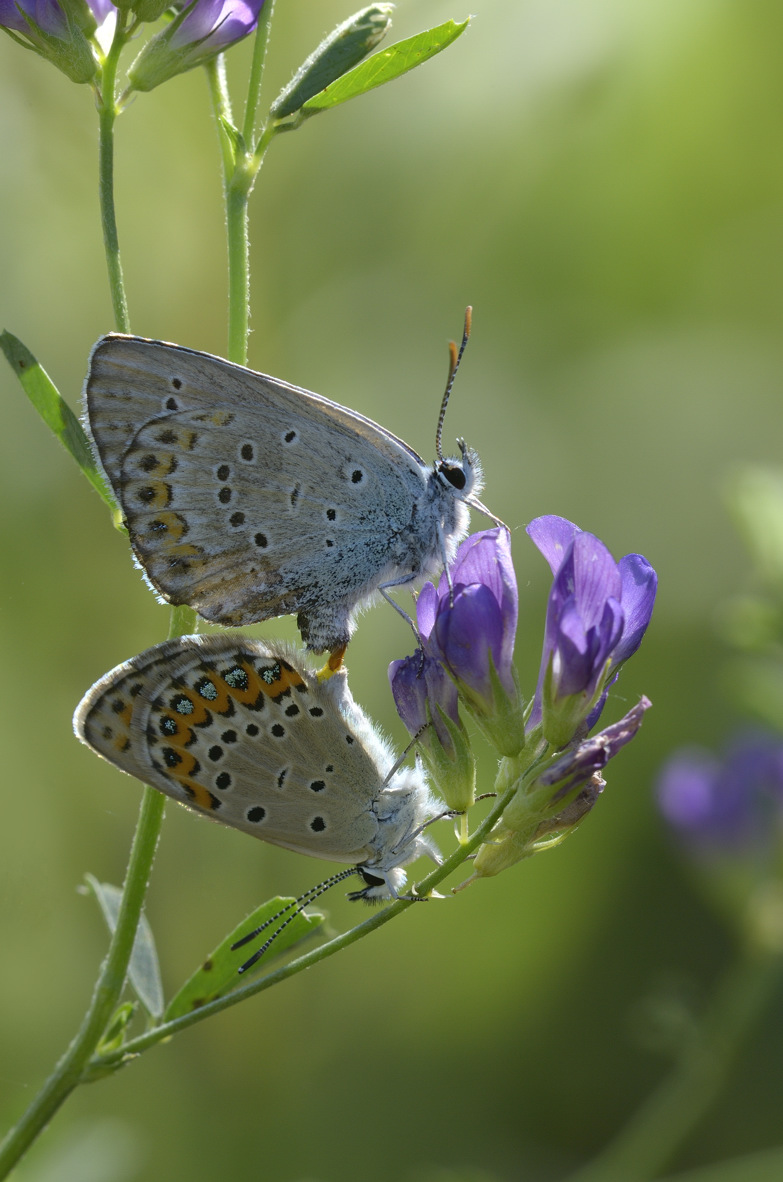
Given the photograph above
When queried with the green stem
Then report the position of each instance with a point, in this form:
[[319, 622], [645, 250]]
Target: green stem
[[69, 1072], [240, 168], [107, 113], [237, 230], [256, 72], [659, 1127], [117, 1058]]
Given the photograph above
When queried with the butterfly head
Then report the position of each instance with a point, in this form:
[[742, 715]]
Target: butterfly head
[[462, 477]]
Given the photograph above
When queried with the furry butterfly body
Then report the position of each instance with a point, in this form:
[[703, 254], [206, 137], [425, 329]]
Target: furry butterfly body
[[248, 498], [242, 732]]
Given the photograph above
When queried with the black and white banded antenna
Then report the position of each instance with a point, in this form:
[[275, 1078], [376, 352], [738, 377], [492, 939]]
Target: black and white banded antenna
[[455, 357], [295, 908]]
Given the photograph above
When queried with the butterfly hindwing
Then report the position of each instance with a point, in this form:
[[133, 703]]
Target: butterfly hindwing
[[239, 731]]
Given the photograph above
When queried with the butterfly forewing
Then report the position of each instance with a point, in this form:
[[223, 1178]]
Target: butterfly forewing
[[248, 498], [243, 733]]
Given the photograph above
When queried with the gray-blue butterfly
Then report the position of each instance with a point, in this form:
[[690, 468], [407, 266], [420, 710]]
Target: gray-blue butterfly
[[241, 731], [248, 498]]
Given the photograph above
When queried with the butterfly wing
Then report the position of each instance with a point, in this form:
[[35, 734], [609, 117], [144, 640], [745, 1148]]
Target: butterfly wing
[[248, 498], [239, 731]]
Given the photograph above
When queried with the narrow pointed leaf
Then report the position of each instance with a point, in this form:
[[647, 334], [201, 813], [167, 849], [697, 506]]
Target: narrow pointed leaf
[[386, 65], [143, 970], [54, 411], [218, 974]]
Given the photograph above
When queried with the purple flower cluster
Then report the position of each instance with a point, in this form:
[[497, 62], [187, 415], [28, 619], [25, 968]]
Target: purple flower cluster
[[597, 614]]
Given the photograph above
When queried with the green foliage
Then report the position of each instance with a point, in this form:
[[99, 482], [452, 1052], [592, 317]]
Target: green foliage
[[218, 974], [143, 969]]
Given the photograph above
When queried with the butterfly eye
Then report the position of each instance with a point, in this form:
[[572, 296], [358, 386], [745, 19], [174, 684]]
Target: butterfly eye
[[453, 473]]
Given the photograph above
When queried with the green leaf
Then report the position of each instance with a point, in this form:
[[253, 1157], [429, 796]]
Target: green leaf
[[54, 411], [218, 974], [386, 65], [143, 970], [336, 55]]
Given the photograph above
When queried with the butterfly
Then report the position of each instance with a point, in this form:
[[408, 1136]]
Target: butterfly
[[248, 498], [242, 732]]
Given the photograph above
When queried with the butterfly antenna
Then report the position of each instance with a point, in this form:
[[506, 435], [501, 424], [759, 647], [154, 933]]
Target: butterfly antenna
[[295, 908], [455, 356], [399, 762]]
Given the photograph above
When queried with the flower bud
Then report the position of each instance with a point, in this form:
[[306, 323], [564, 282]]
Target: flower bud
[[199, 32], [426, 700], [338, 53], [55, 32], [542, 813]]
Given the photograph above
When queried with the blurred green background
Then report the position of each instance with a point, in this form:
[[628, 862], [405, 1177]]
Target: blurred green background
[[603, 181]]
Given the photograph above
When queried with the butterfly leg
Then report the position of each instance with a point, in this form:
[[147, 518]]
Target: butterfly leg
[[334, 662], [400, 610]]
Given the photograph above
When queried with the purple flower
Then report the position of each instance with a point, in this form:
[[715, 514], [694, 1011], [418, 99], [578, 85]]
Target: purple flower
[[580, 763], [469, 627], [423, 692], [202, 29], [597, 614], [426, 700], [210, 26], [59, 32], [728, 804], [46, 14]]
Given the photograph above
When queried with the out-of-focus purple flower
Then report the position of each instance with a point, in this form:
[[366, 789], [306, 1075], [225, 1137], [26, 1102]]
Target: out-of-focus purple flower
[[58, 30], [201, 30], [725, 805], [426, 701], [597, 614]]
